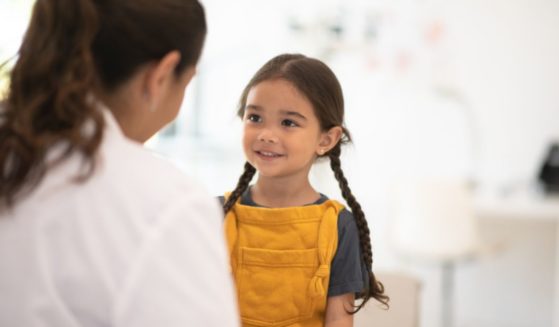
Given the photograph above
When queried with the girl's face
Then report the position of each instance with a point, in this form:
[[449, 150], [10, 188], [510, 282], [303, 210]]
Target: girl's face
[[282, 135]]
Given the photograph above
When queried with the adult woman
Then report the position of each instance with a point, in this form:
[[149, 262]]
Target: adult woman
[[94, 230]]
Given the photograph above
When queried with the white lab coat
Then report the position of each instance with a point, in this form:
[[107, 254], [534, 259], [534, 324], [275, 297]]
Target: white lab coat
[[137, 244]]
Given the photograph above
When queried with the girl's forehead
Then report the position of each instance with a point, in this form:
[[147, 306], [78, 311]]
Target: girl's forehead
[[276, 86], [278, 94]]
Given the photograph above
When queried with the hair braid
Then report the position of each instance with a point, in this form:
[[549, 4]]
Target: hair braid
[[375, 288], [242, 185]]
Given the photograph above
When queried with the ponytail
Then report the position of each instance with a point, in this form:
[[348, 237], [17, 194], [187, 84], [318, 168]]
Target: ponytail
[[241, 187], [72, 50], [47, 101], [375, 288]]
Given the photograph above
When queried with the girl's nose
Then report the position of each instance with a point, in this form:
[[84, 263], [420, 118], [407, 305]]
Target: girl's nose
[[267, 136]]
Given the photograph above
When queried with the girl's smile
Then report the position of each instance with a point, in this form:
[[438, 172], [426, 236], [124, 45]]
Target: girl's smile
[[268, 155]]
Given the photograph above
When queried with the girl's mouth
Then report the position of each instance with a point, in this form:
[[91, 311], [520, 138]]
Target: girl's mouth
[[266, 155]]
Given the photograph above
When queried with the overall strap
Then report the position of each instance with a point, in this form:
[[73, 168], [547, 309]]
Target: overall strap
[[327, 245]]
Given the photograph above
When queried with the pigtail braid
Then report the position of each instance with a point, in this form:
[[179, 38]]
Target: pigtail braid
[[242, 185], [376, 288]]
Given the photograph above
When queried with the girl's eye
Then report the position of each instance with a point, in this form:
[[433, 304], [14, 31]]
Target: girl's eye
[[289, 123], [254, 118]]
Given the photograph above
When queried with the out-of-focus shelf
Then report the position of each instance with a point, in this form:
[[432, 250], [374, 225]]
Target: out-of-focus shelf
[[521, 203]]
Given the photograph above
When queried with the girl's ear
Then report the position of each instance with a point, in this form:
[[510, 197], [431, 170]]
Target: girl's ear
[[158, 75], [329, 139]]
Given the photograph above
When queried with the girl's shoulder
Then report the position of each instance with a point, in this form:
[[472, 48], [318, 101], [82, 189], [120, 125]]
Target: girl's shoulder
[[345, 219]]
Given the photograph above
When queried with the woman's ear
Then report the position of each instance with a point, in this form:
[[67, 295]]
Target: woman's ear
[[329, 139], [158, 75]]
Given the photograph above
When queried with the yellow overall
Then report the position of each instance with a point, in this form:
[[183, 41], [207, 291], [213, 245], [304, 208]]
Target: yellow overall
[[280, 259]]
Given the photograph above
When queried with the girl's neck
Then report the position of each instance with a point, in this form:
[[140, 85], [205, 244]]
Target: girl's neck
[[278, 193]]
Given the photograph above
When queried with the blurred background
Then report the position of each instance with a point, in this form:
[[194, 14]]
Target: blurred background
[[453, 106]]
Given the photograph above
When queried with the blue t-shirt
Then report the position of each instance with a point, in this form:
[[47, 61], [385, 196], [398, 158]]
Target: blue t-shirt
[[348, 273]]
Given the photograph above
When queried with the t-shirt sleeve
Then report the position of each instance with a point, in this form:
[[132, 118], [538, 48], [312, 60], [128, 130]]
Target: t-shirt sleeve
[[348, 269], [181, 276]]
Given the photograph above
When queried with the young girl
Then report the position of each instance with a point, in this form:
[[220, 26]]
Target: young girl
[[297, 257]]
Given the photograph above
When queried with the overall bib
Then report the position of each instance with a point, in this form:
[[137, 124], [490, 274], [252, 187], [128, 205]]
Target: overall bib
[[280, 259]]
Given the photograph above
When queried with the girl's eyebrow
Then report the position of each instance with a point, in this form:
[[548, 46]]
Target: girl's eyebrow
[[292, 113], [285, 112]]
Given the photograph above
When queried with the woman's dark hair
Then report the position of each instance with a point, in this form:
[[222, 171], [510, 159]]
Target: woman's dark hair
[[71, 49], [321, 87]]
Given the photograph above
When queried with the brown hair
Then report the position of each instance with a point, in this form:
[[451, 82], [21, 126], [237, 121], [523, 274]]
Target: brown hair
[[71, 49], [321, 87]]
